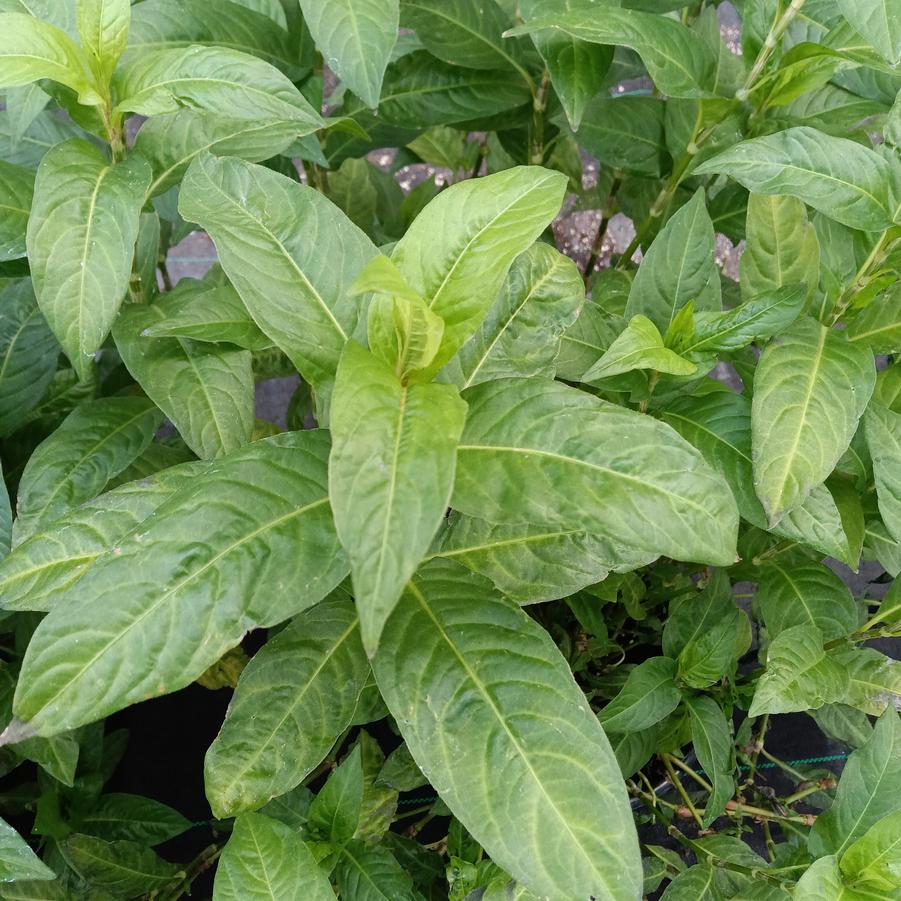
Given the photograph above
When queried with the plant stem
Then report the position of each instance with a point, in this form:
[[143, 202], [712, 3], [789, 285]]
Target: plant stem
[[536, 130], [164, 273], [770, 43], [677, 784], [682, 765], [755, 751], [197, 867], [783, 765], [861, 277], [606, 215]]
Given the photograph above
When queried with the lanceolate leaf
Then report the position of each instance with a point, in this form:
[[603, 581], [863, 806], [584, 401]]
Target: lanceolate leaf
[[843, 179], [294, 699], [469, 707], [878, 325], [6, 519], [16, 191], [265, 860], [123, 817], [875, 857], [17, 860], [148, 620], [649, 695], [883, 431], [120, 868], [879, 22], [650, 492], [712, 741], [356, 38], [810, 389], [391, 473], [103, 29], [289, 252]]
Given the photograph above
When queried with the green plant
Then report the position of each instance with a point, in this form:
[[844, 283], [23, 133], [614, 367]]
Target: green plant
[[508, 554]]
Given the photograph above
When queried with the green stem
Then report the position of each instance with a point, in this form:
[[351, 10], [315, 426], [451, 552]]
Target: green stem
[[690, 772], [771, 41], [677, 784], [536, 131], [606, 215], [874, 259]]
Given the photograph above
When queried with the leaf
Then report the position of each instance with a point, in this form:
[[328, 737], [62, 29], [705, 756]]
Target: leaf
[[368, 872], [520, 336], [356, 38], [484, 224], [782, 247], [823, 879], [873, 680], [879, 23], [798, 675], [214, 79], [103, 29], [28, 355], [867, 791], [843, 179], [32, 49], [810, 389], [335, 811], [679, 61], [17, 860], [679, 266], [81, 237], [265, 859], [875, 858], [802, 594], [659, 497], [16, 192], [639, 346], [296, 289], [123, 817], [522, 713], [697, 883], [878, 325], [267, 524], [649, 695], [577, 68], [391, 473], [95, 442], [126, 868], [33, 890], [293, 700], [712, 742], [6, 519], [883, 433], [205, 390]]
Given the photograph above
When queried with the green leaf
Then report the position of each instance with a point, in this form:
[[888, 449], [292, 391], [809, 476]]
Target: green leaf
[[802, 594], [28, 355], [122, 817], [878, 325], [265, 860], [206, 390], [404, 333], [679, 266], [95, 442], [523, 714], [810, 389], [697, 883], [577, 68], [81, 237], [16, 192], [875, 858], [883, 433], [267, 524], [6, 519], [639, 346], [368, 872], [335, 811], [17, 860], [295, 289], [293, 700], [103, 29], [873, 680], [649, 695], [32, 49], [680, 62], [660, 497], [33, 890], [782, 247], [391, 473], [711, 738], [867, 791], [843, 179], [823, 880], [484, 224], [520, 337], [878, 22], [124, 868], [356, 38], [798, 675]]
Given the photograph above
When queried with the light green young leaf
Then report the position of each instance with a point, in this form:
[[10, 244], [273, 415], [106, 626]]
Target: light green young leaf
[[875, 858], [843, 179], [679, 266], [123, 869], [649, 695], [146, 621], [810, 390], [134, 818], [522, 713], [520, 336], [639, 346], [294, 285], [877, 21], [883, 433], [483, 224], [81, 242], [824, 880], [405, 334], [356, 38], [867, 791], [711, 738], [807, 593], [593, 466], [31, 49], [293, 700], [103, 29], [781, 247], [370, 872], [16, 193], [799, 675], [873, 680], [17, 860], [335, 812], [878, 325], [380, 275], [95, 442], [391, 473], [680, 62], [265, 860], [206, 390]]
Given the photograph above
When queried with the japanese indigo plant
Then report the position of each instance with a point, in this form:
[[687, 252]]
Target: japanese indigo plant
[[505, 555]]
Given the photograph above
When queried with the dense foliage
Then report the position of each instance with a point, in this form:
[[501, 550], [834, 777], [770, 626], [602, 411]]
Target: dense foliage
[[552, 560]]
